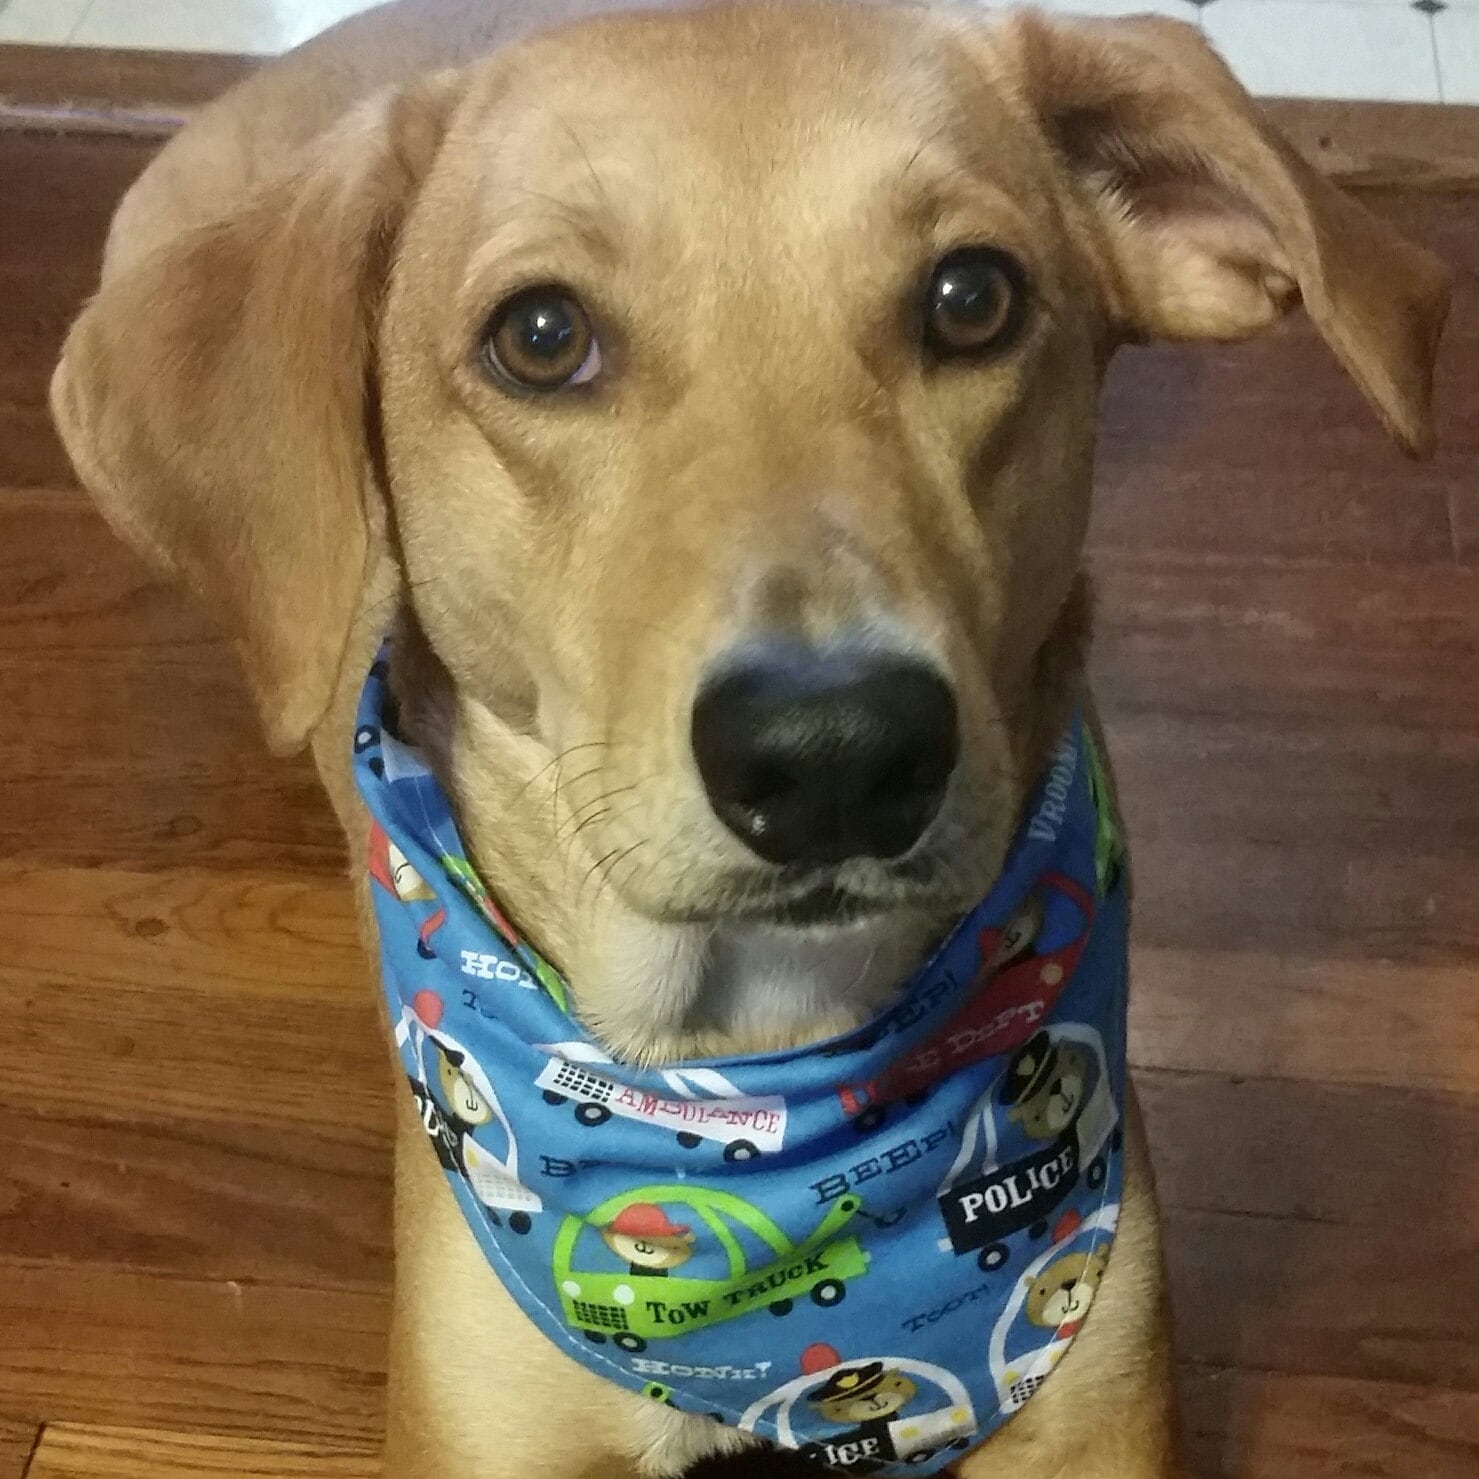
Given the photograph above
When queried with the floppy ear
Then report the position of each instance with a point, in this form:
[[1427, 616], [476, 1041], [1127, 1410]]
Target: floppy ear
[[1210, 225], [216, 399]]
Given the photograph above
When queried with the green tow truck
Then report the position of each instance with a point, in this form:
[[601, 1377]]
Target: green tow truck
[[631, 1309]]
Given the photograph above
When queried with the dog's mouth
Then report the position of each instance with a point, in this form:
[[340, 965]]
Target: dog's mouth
[[823, 899], [823, 905]]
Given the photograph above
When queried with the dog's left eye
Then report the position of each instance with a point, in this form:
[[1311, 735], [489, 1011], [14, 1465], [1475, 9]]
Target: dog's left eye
[[975, 302], [541, 339]]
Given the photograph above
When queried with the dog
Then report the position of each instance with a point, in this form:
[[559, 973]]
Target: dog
[[615, 361]]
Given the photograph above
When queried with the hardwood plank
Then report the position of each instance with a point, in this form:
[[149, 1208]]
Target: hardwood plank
[[133, 739], [17, 1439], [80, 1451], [1246, 514], [1340, 1020], [200, 1199], [151, 91], [98, 1345], [270, 813], [1318, 900], [51, 243], [165, 1055], [1267, 1425], [1329, 644], [1399, 1302], [67, 585], [1356, 786], [1344, 1157], [277, 939], [1359, 143]]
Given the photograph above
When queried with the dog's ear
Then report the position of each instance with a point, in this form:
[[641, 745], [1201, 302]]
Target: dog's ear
[[215, 398], [1209, 225]]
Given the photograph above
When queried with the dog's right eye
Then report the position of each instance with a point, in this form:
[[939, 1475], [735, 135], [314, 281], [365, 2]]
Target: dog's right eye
[[541, 339], [975, 303]]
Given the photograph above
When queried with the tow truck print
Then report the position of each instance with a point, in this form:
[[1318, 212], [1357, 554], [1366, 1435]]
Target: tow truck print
[[642, 1304], [705, 1105], [870, 1399], [1014, 990], [1057, 1089]]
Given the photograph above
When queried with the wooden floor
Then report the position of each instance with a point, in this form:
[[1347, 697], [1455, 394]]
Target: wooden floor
[[194, 1229]]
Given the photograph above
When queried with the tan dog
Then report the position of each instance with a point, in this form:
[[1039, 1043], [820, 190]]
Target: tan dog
[[589, 359]]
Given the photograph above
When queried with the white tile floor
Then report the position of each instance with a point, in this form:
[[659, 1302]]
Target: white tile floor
[[1401, 50]]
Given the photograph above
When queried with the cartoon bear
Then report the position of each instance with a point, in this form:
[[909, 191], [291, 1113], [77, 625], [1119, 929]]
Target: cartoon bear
[[1017, 936], [863, 1395], [1061, 1294], [465, 1103], [651, 1246], [393, 870], [1046, 1085], [466, 1109]]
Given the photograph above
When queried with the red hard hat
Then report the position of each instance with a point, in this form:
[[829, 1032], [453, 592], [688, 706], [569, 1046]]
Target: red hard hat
[[643, 1220]]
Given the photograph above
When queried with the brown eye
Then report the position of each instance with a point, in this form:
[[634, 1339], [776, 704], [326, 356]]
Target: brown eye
[[975, 302], [541, 339]]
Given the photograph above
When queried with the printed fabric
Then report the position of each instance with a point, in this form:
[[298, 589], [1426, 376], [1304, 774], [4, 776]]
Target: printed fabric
[[872, 1249]]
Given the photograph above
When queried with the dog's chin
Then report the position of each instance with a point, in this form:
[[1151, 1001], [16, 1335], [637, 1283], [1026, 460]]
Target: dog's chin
[[785, 959]]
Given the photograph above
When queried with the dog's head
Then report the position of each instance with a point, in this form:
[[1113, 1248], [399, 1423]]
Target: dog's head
[[721, 385]]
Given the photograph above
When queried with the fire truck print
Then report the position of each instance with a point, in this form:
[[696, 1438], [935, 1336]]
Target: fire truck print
[[705, 1106], [886, 1410], [1016, 987], [1056, 1094]]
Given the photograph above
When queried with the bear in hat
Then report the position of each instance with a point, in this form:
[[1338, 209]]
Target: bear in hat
[[1045, 1085], [641, 1235], [863, 1394]]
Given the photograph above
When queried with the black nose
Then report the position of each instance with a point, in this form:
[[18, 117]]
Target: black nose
[[812, 756]]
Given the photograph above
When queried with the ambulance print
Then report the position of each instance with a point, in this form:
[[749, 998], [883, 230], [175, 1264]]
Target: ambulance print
[[1056, 1091], [1016, 986], [873, 1400], [704, 1105]]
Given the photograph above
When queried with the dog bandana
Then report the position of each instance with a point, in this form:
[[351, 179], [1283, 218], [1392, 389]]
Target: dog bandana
[[873, 1249]]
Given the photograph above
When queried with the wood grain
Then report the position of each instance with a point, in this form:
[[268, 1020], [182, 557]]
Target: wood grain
[[82, 1451], [1359, 143], [274, 937], [98, 1344], [1265, 1425], [17, 1440], [1337, 1020], [142, 85], [199, 1200], [51, 240]]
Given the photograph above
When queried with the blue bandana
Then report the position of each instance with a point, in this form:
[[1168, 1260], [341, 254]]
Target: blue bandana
[[872, 1249]]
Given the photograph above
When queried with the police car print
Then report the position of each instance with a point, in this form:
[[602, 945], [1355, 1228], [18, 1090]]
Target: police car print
[[461, 1114], [1055, 1100], [868, 1415], [1049, 1305]]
